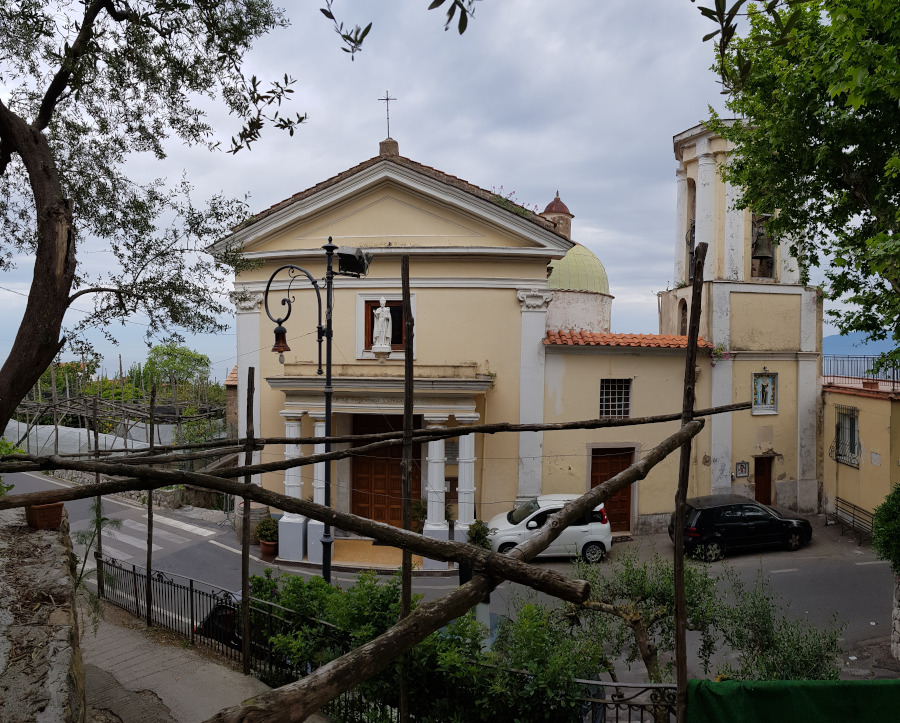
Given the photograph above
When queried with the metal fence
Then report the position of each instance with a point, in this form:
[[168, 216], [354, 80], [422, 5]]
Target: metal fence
[[857, 371], [202, 613], [210, 616]]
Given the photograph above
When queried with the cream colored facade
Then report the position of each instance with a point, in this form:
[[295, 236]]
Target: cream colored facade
[[493, 343], [863, 472], [766, 325]]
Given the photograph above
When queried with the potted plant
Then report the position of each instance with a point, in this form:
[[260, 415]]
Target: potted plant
[[478, 534], [267, 532]]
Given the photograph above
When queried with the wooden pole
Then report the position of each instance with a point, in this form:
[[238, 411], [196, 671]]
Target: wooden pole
[[245, 532], [684, 469], [55, 408], [98, 511], [406, 469], [150, 517]]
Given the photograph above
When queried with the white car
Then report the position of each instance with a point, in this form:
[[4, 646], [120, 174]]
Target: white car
[[590, 538]]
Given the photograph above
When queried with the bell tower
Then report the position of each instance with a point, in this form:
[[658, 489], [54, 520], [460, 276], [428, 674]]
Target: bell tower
[[765, 328]]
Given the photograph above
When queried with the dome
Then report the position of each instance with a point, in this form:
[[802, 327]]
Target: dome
[[557, 206], [578, 270]]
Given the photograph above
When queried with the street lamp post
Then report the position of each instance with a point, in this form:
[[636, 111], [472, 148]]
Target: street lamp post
[[351, 262]]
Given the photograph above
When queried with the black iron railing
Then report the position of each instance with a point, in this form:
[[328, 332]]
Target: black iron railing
[[858, 371], [210, 616]]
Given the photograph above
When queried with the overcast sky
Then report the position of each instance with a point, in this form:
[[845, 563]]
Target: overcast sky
[[580, 96]]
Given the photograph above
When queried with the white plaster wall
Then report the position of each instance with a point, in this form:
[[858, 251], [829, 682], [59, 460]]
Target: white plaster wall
[[680, 224], [734, 236], [579, 311], [531, 389], [247, 332]]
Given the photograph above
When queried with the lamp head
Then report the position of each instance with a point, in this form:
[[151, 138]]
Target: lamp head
[[353, 261]]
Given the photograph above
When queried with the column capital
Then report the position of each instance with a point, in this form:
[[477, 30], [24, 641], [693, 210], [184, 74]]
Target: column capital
[[467, 418], [292, 415], [534, 299], [707, 159], [317, 416], [435, 420], [246, 300], [680, 172]]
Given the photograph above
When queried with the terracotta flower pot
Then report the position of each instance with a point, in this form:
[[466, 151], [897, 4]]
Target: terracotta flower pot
[[44, 517], [268, 548]]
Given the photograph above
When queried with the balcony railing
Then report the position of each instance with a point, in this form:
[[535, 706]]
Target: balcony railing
[[857, 372]]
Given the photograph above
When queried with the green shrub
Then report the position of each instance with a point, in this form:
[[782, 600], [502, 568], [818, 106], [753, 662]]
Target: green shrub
[[267, 530], [886, 529]]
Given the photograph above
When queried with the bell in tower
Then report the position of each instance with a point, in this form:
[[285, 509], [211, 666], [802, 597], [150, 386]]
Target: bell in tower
[[762, 253]]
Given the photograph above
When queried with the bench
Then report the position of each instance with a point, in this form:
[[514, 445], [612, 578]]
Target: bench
[[850, 516]]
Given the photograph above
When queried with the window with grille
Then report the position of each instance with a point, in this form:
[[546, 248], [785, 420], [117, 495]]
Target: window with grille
[[615, 397], [846, 438]]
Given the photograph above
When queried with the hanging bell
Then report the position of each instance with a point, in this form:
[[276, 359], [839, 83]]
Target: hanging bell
[[762, 244], [281, 344]]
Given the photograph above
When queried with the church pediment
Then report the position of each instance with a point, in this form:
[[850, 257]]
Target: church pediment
[[388, 204]]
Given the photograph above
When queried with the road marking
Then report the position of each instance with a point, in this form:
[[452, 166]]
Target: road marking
[[132, 541], [231, 549], [787, 569], [873, 562], [161, 534], [187, 527]]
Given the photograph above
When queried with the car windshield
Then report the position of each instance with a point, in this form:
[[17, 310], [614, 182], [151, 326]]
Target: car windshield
[[520, 513]]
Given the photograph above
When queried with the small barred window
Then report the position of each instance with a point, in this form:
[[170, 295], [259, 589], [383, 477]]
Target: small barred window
[[615, 397]]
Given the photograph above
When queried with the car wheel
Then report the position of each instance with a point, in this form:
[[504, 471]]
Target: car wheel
[[713, 551], [593, 552], [506, 547], [794, 540]]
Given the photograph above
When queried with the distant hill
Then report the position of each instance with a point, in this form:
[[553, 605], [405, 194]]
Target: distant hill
[[854, 345]]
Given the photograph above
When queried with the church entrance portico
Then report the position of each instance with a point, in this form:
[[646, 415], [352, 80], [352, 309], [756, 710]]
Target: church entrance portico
[[376, 491]]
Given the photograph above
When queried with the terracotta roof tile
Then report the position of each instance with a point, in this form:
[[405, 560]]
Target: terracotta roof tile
[[232, 379], [413, 165], [588, 338]]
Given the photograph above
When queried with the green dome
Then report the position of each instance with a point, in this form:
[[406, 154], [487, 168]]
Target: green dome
[[578, 270]]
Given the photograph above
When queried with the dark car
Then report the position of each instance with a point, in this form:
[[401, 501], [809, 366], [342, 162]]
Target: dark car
[[717, 524]]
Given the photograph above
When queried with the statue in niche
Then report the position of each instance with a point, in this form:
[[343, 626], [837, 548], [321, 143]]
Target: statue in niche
[[381, 328]]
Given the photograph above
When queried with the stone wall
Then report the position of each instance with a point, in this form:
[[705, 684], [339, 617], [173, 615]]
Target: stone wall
[[895, 620], [41, 675], [162, 499]]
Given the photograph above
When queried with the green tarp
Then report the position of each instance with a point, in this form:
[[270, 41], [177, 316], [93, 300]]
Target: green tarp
[[819, 701]]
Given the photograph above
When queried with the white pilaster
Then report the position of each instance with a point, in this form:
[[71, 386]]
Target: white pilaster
[[465, 486], [706, 210], [247, 332], [681, 224], [292, 527], [734, 235], [808, 392], [531, 388], [720, 428], [314, 528], [436, 526], [790, 267]]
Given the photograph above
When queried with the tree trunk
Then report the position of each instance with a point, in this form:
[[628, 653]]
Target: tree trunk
[[37, 340], [895, 620]]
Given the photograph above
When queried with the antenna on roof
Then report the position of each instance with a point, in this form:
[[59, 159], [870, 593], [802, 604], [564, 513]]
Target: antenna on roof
[[387, 106]]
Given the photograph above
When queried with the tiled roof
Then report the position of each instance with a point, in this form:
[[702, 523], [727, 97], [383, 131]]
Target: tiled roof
[[434, 173], [588, 338], [232, 379]]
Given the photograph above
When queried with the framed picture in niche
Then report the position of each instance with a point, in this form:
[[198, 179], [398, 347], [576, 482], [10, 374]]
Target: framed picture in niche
[[765, 393], [742, 469]]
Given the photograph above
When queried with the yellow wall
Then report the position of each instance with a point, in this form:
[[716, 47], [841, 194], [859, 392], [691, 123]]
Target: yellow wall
[[572, 392], [754, 435], [879, 433], [765, 321]]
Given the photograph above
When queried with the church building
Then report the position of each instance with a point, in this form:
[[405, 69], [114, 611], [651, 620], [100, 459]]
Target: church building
[[512, 324]]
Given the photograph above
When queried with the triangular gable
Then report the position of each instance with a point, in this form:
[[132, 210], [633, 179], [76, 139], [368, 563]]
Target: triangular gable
[[395, 202]]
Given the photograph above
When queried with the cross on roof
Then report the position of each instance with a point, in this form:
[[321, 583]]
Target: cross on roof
[[387, 105]]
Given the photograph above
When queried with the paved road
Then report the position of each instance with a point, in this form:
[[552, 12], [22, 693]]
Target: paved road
[[191, 546], [834, 577]]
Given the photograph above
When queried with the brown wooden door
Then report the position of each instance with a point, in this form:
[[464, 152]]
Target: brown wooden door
[[605, 464], [376, 492], [762, 477]]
